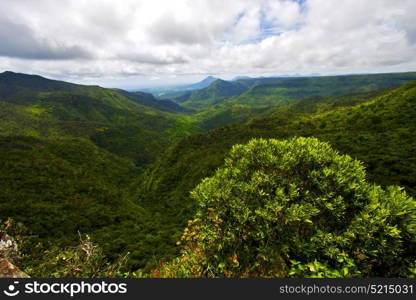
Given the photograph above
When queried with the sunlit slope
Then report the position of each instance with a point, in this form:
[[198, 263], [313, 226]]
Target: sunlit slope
[[35, 106]]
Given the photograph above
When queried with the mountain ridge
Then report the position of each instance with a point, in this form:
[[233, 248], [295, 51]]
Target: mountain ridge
[[17, 84], [142, 126]]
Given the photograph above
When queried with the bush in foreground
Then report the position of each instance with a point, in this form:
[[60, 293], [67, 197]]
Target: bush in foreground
[[296, 208]]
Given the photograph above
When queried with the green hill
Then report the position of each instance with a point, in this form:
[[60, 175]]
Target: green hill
[[69, 154], [214, 93], [15, 86], [240, 114], [58, 187], [116, 121], [283, 91], [217, 91], [151, 101]]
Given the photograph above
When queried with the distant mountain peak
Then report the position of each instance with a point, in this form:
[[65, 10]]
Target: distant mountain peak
[[9, 73], [208, 79], [12, 74], [202, 84]]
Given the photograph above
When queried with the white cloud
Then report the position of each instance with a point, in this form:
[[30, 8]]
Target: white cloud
[[283, 14], [247, 26], [103, 40]]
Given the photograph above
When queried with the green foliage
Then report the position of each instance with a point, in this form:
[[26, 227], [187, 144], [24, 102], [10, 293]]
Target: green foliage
[[213, 118], [56, 182], [57, 187], [239, 114], [9, 247], [86, 260], [297, 207]]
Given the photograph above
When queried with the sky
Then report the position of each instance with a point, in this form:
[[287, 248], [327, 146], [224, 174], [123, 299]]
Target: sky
[[142, 43]]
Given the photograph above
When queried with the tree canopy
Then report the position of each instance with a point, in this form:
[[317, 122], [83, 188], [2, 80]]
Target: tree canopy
[[296, 207]]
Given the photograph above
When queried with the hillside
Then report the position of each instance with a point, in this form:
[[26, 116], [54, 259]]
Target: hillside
[[40, 107], [58, 187], [14, 84], [240, 114], [21, 88], [285, 90], [151, 101], [380, 132], [69, 155], [212, 94]]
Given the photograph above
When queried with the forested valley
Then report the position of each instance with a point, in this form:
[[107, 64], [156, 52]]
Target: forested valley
[[252, 177]]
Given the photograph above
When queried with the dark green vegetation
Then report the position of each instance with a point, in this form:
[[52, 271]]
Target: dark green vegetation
[[57, 187], [296, 208], [68, 156], [120, 166]]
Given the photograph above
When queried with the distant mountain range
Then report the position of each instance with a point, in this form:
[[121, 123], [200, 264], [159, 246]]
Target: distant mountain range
[[13, 85], [161, 91]]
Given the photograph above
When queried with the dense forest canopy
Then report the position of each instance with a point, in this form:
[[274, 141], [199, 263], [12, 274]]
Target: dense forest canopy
[[296, 208], [130, 170]]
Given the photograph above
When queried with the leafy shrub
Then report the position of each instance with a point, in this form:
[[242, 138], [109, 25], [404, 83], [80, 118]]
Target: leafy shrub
[[295, 208], [86, 260], [9, 248]]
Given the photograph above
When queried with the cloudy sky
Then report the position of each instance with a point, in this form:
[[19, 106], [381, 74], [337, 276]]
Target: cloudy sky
[[138, 43]]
